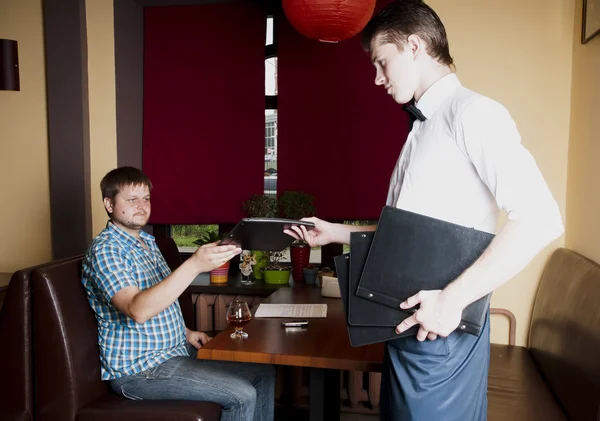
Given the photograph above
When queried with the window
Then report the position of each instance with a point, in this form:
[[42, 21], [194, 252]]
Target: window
[[270, 175], [185, 235], [270, 127]]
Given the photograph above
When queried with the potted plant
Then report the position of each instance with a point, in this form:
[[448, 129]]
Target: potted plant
[[220, 274], [297, 205], [275, 272], [260, 206]]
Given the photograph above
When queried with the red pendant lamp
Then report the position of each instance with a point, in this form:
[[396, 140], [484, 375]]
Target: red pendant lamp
[[329, 20]]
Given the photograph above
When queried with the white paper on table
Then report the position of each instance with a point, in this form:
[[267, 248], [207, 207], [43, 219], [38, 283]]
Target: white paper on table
[[304, 311]]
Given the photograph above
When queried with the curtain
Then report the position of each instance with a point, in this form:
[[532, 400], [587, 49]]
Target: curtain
[[340, 135], [204, 93]]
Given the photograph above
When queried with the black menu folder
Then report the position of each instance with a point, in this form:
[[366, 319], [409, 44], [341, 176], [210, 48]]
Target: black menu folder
[[412, 252], [263, 233], [362, 335], [363, 312]]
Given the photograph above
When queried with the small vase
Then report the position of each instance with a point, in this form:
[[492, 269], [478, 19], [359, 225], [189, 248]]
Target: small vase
[[220, 274]]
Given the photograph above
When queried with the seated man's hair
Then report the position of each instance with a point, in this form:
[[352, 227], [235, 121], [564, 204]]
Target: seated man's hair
[[402, 18], [115, 180]]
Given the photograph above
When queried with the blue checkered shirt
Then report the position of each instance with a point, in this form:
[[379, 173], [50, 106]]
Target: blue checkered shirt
[[116, 260]]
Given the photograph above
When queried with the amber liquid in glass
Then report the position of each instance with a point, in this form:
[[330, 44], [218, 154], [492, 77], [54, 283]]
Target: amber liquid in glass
[[238, 323]]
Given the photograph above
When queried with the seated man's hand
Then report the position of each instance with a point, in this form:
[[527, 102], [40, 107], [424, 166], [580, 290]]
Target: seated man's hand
[[197, 339], [437, 315], [211, 256]]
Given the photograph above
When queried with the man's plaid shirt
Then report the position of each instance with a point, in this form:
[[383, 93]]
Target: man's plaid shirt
[[116, 260]]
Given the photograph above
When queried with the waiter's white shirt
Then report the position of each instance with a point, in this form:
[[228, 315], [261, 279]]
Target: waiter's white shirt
[[466, 162]]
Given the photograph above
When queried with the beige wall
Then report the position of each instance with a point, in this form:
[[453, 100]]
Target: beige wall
[[24, 177], [24, 181], [519, 53], [101, 82], [583, 200]]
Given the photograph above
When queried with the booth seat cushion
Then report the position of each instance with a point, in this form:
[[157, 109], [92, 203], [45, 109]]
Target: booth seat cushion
[[115, 408], [67, 369], [516, 390], [564, 339], [15, 415]]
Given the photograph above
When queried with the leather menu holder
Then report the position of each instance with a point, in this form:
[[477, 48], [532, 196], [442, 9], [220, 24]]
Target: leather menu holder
[[263, 233], [412, 252], [363, 312], [362, 335]]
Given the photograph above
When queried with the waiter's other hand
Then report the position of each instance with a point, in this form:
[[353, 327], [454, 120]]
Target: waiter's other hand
[[437, 315]]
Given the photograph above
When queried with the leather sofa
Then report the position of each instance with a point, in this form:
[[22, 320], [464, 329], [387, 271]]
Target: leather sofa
[[16, 351], [53, 350], [558, 376]]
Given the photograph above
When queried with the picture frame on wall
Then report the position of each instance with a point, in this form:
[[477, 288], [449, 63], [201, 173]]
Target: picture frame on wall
[[591, 20]]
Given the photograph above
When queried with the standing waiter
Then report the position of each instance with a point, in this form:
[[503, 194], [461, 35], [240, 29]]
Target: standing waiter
[[462, 162]]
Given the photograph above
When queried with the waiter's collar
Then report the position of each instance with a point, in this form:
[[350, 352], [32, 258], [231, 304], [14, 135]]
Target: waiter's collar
[[437, 93]]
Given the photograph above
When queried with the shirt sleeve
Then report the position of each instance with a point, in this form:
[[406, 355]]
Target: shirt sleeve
[[489, 137], [112, 271]]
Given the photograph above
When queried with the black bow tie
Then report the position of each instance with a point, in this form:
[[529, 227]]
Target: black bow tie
[[414, 112]]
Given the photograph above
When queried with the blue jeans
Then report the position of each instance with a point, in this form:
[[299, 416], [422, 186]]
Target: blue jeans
[[246, 392]]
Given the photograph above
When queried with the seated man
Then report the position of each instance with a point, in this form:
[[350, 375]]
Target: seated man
[[144, 344]]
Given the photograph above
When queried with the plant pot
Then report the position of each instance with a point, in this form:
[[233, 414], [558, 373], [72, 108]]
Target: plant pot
[[310, 275], [300, 259], [220, 274], [276, 276], [262, 260]]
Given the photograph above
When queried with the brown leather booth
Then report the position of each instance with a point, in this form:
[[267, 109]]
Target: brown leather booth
[[170, 252], [60, 360], [16, 351], [558, 377]]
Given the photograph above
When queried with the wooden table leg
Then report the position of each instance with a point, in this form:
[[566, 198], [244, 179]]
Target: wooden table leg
[[324, 399]]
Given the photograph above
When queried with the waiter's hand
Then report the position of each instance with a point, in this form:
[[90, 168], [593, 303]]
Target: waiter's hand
[[437, 315], [322, 234]]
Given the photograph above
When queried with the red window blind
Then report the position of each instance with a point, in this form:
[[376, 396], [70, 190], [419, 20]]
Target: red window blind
[[203, 141], [339, 134]]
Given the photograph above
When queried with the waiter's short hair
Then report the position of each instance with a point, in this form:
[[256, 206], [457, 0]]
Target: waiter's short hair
[[402, 18]]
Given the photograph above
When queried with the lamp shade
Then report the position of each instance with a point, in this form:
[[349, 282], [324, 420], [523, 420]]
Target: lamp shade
[[329, 20]]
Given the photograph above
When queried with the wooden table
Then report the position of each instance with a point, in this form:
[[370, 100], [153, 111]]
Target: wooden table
[[323, 346]]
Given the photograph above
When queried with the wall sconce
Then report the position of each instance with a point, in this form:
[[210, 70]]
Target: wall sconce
[[9, 65]]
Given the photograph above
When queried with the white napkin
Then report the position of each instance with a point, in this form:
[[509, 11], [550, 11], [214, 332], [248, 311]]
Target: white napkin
[[330, 287]]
